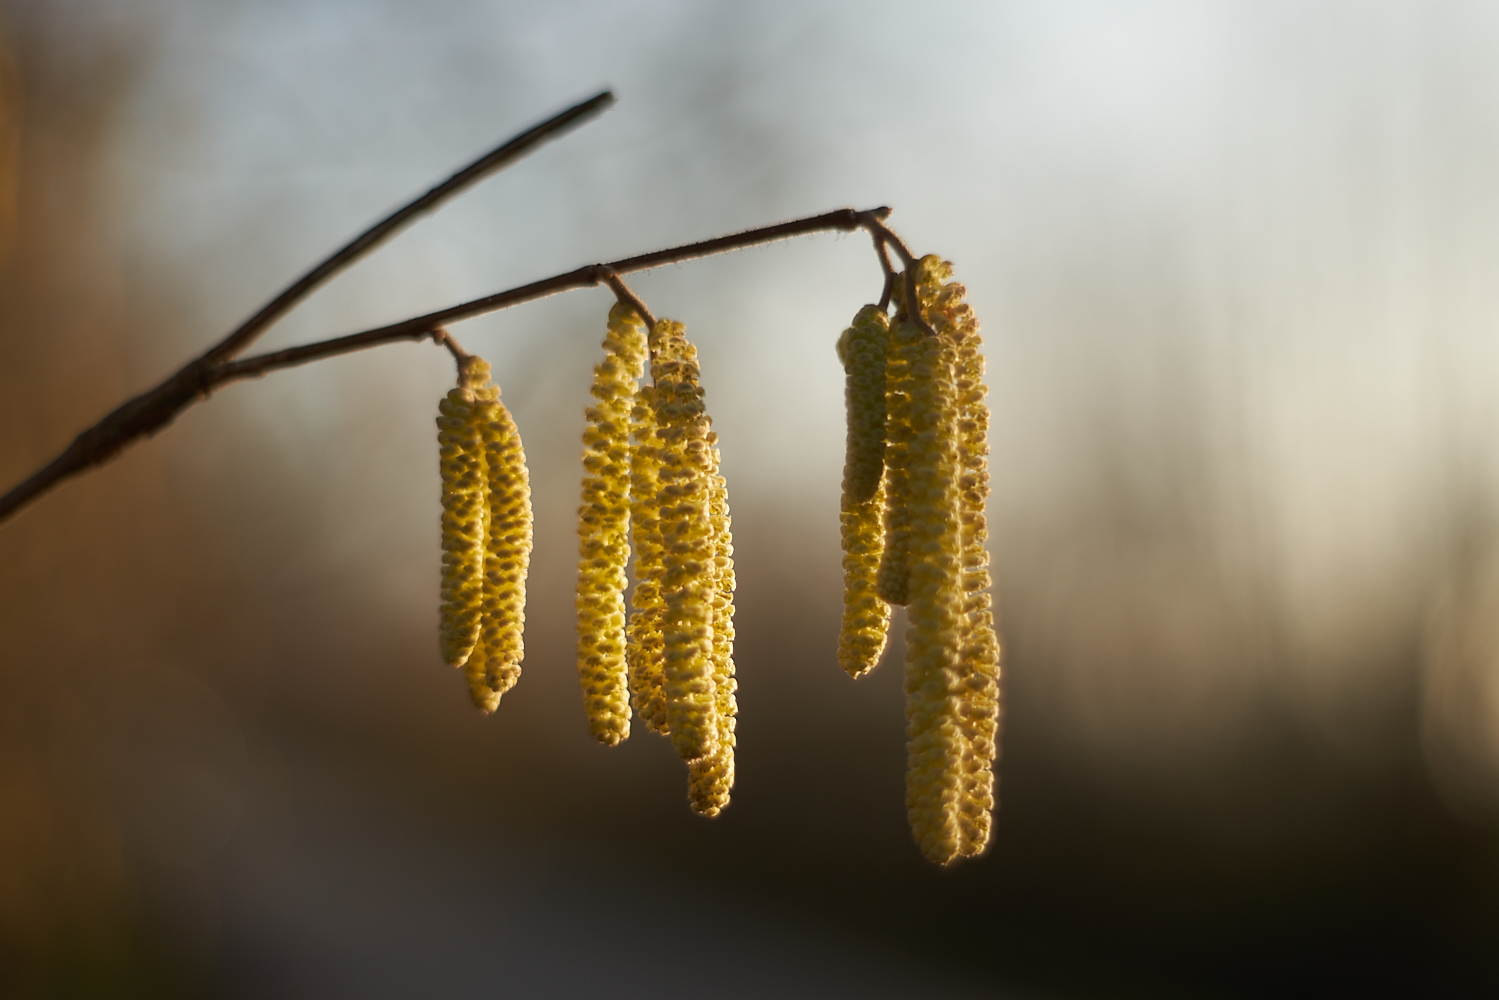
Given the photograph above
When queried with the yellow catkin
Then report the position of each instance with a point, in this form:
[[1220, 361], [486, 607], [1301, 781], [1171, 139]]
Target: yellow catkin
[[495, 666], [711, 778], [687, 550], [979, 651], [461, 463], [935, 741], [893, 577], [863, 349], [603, 529], [643, 647]]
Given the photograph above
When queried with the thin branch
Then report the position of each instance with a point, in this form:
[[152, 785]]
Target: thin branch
[[155, 408], [500, 156], [888, 268], [623, 294], [151, 410]]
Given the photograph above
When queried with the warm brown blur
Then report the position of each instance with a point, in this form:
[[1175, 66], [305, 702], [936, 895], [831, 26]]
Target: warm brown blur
[[1236, 760]]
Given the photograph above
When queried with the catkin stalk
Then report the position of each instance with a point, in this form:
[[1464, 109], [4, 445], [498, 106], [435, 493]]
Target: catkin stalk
[[603, 529], [863, 349]]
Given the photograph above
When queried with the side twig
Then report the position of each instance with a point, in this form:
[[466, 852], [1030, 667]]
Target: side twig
[[154, 409], [151, 410]]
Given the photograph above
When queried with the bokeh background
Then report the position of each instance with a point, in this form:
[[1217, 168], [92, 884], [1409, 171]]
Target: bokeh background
[[1236, 264]]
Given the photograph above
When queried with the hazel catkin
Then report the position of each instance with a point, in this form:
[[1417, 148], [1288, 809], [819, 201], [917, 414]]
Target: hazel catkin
[[935, 742], [461, 464], [863, 349], [710, 778], [603, 528], [892, 580], [643, 645], [495, 666], [687, 552], [978, 672]]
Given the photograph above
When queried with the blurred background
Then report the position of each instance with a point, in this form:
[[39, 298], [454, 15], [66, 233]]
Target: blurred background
[[1236, 268]]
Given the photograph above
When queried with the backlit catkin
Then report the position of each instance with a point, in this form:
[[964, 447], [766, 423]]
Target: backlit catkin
[[687, 545], [892, 580], [935, 742], [979, 652], [643, 649], [863, 349], [710, 778], [495, 666], [460, 452], [603, 529]]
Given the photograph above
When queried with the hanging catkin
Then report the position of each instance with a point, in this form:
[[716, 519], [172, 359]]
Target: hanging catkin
[[710, 778], [892, 579], [643, 648], [979, 652], [863, 349], [495, 666], [687, 551], [603, 528], [460, 452], [935, 743]]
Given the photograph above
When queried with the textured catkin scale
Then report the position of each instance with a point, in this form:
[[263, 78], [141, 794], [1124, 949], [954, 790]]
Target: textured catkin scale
[[643, 647], [687, 549], [711, 778], [604, 526], [863, 349], [979, 651], [461, 463], [507, 556], [892, 581], [866, 618], [935, 742]]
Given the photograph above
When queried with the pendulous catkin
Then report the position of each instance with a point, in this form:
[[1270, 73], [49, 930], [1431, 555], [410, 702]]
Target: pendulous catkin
[[643, 651], [710, 778], [892, 578], [935, 743], [687, 547], [604, 526], [863, 348], [460, 450], [486, 534], [978, 671]]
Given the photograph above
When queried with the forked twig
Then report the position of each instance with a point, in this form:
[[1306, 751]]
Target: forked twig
[[149, 412]]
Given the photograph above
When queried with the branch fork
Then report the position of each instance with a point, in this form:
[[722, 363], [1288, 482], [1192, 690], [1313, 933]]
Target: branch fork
[[147, 413]]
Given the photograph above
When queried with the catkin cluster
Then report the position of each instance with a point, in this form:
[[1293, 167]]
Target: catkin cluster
[[651, 473], [927, 551], [486, 535]]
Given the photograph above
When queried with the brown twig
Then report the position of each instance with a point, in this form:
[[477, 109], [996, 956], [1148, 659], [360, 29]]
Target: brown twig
[[889, 269], [150, 411], [623, 293], [883, 235], [154, 409], [500, 156]]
